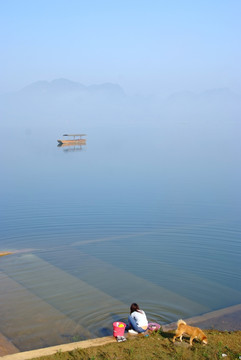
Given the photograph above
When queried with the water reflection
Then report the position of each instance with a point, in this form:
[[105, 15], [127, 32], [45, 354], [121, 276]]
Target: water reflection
[[70, 148]]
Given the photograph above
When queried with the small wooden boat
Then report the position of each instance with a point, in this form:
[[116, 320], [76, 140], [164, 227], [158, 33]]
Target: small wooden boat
[[77, 140]]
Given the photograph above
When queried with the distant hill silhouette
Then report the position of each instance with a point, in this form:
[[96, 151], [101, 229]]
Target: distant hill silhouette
[[61, 101], [65, 86], [222, 94], [212, 104]]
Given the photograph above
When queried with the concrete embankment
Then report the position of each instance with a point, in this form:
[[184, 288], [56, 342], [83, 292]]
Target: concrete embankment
[[27, 355], [224, 319]]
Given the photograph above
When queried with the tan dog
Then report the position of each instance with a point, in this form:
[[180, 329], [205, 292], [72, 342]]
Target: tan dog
[[193, 332]]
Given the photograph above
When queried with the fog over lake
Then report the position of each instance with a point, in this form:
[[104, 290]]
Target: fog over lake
[[147, 211]]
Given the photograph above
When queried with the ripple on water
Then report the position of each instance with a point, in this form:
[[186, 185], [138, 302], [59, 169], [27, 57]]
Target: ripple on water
[[89, 265]]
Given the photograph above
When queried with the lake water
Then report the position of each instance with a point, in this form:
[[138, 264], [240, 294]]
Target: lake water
[[142, 213]]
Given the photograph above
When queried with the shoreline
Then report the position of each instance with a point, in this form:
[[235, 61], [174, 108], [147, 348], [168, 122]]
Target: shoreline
[[224, 317]]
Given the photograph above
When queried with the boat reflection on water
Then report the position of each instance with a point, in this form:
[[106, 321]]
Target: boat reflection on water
[[74, 144], [69, 148]]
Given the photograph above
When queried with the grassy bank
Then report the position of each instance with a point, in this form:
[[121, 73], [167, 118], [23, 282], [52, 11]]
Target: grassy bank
[[160, 346]]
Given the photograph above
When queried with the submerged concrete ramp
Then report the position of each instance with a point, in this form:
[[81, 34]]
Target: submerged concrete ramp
[[71, 296], [29, 322], [6, 346], [90, 292], [198, 295]]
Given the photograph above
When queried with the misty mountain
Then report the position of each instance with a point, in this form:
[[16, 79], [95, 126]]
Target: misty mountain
[[222, 94], [65, 87], [69, 103], [61, 101], [212, 104]]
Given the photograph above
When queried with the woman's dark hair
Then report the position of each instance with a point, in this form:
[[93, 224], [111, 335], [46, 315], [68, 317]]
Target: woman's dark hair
[[134, 307]]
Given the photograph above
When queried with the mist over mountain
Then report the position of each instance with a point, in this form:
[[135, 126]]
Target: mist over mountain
[[60, 101], [63, 102], [65, 86], [212, 104], [55, 86], [224, 94]]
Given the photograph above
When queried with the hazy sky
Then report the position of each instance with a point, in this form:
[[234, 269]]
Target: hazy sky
[[146, 46]]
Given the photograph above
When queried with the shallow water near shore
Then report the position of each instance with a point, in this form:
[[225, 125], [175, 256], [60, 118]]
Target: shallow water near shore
[[149, 216]]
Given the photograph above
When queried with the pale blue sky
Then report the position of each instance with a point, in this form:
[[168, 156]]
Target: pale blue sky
[[146, 46]]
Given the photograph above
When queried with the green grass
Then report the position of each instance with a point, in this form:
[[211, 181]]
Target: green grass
[[160, 346]]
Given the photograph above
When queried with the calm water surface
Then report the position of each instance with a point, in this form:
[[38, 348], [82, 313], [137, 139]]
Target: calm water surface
[[148, 214]]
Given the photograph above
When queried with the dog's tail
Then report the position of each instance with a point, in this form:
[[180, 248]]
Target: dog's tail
[[181, 322]]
